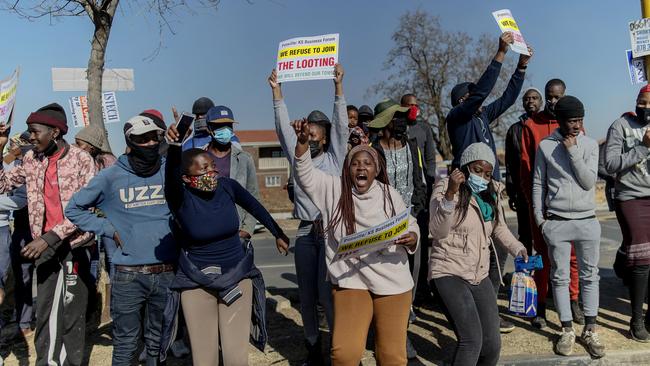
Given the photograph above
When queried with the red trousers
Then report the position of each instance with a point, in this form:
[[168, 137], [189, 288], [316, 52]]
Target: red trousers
[[543, 277]]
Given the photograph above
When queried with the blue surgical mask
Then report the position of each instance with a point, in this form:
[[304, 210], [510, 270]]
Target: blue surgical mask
[[476, 183], [223, 135]]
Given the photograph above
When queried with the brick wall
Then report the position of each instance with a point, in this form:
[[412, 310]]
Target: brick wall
[[275, 199]]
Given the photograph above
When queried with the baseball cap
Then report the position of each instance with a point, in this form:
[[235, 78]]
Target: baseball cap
[[220, 114], [139, 125]]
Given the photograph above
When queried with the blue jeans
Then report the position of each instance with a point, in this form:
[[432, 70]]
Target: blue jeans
[[5, 258], [311, 271], [132, 296]]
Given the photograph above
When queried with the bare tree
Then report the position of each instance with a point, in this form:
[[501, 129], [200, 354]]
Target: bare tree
[[101, 13], [428, 61]]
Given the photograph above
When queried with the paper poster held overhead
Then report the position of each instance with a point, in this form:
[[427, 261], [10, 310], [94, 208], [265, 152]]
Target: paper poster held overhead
[[8, 88], [507, 23], [308, 58]]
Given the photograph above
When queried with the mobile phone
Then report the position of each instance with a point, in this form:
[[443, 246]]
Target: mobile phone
[[184, 125]]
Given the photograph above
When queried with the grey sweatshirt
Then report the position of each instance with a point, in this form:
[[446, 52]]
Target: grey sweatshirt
[[14, 200], [330, 162], [565, 179], [627, 158]]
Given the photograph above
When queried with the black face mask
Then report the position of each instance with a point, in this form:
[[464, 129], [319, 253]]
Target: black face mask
[[643, 115], [144, 160], [314, 148], [399, 128]]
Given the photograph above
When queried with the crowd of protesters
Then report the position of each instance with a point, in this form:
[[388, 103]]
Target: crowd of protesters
[[174, 216]]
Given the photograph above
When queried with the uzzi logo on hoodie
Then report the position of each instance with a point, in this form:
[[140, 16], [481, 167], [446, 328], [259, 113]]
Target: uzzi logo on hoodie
[[134, 197]]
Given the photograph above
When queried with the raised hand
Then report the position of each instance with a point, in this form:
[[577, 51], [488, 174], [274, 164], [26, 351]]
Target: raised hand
[[273, 79], [523, 59], [172, 134], [506, 39], [301, 127], [455, 180], [338, 73]]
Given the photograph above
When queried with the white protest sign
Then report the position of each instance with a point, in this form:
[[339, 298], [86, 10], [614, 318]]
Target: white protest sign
[[507, 23], [374, 239], [640, 37], [636, 68], [308, 58], [109, 108], [8, 89], [79, 109]]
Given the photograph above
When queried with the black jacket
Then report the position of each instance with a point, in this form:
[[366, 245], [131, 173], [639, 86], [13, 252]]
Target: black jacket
[[468, 123], [419, 197], [513, 157]]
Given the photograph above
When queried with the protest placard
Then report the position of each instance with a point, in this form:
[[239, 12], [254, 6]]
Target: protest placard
[[109, 108], [308, 58], [8, 89], [636, 68], [507, 23], [640, 37], [79, 109], [374, 239]]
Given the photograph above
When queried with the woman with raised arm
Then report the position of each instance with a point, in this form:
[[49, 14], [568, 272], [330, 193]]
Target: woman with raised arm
[[221, 290], [374, 287]]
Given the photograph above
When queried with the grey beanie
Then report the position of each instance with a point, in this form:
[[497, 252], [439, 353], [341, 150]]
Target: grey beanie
[[477, 151]]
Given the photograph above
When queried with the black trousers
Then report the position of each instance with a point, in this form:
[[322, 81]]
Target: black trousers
[[63, 283], [638, 284], [473, 310]]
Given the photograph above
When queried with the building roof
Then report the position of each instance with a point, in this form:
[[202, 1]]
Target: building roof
[[257, 137]]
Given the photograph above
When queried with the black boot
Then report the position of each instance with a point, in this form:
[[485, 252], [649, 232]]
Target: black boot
[[639, 332], [314, 354]]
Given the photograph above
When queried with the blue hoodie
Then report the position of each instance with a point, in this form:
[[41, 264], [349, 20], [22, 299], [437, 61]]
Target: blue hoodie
[[135, 208]]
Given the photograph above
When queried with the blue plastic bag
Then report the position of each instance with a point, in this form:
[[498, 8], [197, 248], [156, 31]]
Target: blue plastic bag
[[523, 291]]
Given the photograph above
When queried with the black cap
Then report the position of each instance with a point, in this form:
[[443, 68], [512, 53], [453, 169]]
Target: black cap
[[318, 117], [569, 107], [202, 105], [459, 91]]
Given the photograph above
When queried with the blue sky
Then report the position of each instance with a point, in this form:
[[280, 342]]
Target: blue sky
[[227, 54]]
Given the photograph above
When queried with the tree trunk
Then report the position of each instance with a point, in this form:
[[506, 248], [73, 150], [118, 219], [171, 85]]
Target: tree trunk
[[103, 20]]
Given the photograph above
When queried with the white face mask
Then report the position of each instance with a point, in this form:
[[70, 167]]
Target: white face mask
[[477, 183]]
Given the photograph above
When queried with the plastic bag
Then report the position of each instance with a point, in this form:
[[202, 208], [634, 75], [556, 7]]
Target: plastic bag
[[523, 291]]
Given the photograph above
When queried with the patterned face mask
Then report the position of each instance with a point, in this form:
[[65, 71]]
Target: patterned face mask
[[205, 182]]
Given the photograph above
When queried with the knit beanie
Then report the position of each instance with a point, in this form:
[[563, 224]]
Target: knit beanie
[[93, 135], [52, 115], [477, 151], [569, 107], [202, 105]]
